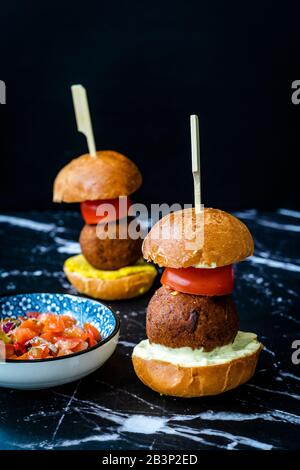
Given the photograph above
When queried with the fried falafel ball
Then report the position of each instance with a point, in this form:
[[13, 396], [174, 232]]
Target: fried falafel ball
[[178, 320], [109, 253]]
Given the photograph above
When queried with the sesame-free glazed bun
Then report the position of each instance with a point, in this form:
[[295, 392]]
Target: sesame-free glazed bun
[[167, 378], [125, 287], [188, 382], [226, 240], [107, 176]]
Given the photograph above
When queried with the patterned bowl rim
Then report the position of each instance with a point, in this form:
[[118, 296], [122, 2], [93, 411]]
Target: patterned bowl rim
[[69, 356]]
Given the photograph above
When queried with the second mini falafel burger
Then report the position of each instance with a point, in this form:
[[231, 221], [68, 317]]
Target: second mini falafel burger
[[194, 346], [109, 268]]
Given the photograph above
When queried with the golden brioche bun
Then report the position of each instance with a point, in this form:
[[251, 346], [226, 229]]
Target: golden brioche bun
[[167, 378], [112, 289], [227, 240], [109, 175]]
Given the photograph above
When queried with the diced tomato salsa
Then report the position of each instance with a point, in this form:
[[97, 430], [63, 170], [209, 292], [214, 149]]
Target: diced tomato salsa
[[45, 336]]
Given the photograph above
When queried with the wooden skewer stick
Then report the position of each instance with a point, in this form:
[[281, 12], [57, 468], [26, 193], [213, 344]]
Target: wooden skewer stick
[[195, 141], [83, 117]]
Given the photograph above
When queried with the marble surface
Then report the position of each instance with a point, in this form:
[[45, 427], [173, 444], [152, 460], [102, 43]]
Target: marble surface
[[111, 409]]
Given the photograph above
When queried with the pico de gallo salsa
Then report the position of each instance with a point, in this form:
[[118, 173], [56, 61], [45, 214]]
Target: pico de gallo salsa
[[45, 336]]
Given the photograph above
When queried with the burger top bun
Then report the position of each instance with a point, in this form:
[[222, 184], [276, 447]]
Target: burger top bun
[[106, 176], [176, 242]]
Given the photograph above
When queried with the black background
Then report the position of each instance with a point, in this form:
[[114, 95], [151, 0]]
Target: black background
[[147, 66]]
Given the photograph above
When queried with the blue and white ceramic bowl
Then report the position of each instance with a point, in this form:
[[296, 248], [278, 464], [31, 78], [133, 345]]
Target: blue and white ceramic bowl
[[44, 373]]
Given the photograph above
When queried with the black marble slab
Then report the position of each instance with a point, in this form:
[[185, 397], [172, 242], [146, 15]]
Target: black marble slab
[[112, 409]]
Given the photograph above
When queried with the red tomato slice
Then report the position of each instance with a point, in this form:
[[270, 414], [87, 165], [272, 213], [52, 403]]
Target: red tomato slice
[[38, 352], [52, 322], [92, 331], [91, 340], [75, 332], [33, 325], [119, 209], [64, 352], [48, 336], [82, 346], [23, 334], [32, 314], [198, 281], [24, 357], [67, 343], [9, 351], [19, 348], [68, 321]]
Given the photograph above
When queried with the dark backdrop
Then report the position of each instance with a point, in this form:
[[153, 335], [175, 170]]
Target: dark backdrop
[[147, 66]]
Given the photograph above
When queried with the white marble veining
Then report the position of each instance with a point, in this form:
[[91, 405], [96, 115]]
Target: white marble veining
[[272, 263], [67, 246], [121, 423], [289, 213], [186, 426], [265, 222], [278, 392], [30, 224]]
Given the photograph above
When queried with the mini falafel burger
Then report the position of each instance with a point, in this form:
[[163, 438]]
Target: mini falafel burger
[[194, 346], [110, 266]]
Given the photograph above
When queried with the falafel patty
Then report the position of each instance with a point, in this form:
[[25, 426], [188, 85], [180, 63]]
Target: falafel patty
[[180, 320], [109, 253]]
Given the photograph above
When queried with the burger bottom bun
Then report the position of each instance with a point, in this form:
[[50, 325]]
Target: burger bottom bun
[[125, 287], [167, 378]]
